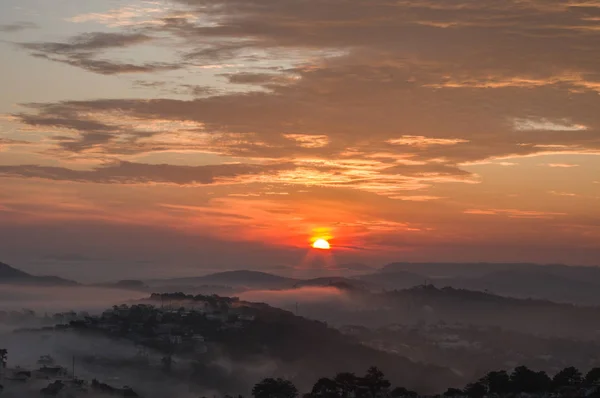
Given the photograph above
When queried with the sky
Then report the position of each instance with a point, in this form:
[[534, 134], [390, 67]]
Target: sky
[[177, 137]]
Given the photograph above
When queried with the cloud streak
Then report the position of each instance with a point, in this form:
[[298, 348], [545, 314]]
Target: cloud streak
[[17, 27], [84, 50], [137, 173]]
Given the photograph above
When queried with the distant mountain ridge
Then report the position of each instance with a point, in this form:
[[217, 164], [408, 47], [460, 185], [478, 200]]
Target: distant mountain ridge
[[13, 275], [560, 283], [452, 270], [233, 278], [8, 272], [555, 282]]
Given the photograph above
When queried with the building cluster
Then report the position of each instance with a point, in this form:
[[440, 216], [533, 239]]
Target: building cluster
[[54, 381], [173, 326]]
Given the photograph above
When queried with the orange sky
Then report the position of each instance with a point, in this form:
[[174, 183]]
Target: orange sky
[[172, 132]]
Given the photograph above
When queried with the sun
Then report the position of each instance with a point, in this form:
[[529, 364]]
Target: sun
[[321, 244]]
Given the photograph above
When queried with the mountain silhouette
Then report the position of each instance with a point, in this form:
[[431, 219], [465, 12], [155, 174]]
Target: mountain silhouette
[[13, 275]]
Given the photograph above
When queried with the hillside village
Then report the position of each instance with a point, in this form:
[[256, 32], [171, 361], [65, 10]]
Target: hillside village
[[184, 326], [52, 380], [172, 323], [176, 325]]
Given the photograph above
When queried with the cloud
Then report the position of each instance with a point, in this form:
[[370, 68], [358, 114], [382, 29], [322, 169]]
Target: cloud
[[83, 51], [546, 125], [137, 173], [89, 42], [570, 194], [265, 79], [420, 141], [6, 142], [417, 198], [17, 27], [560, 165], [308, 141], [104, 67], [126, 16], [284, 298], [328, 86], [514, 213]]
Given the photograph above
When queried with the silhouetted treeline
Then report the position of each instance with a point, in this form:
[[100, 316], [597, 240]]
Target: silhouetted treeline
[[569, 381], [522, 380], [179, 296]]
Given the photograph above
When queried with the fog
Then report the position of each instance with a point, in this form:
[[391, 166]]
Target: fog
[[423, 337], [121, 363], [54, 299], [302, 295]]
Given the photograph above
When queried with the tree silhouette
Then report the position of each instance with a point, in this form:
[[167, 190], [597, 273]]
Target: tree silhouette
[[453, 392], [326, 388], [593, 376], [347, 383], [526, 380], [167, 363], [497, 382], [375, 382], [568, 377], [275, 388], [476, 390], [401, 392], [45, 360]]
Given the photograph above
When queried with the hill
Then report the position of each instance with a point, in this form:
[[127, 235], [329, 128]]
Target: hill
[[292, 345], [393, 280], [451, 270], [336, 281], [539, 283], [428, 304], [242, 278], [8, 272], [559, 283], [10, 275]]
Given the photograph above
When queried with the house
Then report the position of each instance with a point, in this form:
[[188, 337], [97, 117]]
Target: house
[[218, 316], [200, 348], [50, 371], [198, 338], [175, 339], [53, 388], [166, 328], [19, 375]]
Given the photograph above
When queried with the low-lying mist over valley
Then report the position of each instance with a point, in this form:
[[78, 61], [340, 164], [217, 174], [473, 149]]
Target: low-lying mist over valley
[[222, 333]]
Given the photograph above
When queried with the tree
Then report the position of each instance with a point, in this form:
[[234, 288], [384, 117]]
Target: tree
[[401, 392], [3, 357], [593, 376], [375, 382], [45, 360], [476, 390], [497, 382], [275, 388], [568, 377], [167, 363], [526, 380], [453, 392], [543, 382], [326, 388], [347, 383]]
